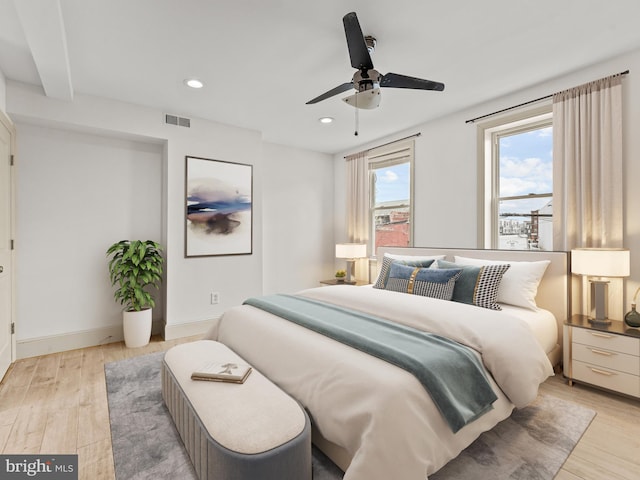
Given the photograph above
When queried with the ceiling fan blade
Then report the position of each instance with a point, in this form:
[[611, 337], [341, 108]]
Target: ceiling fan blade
[[358, 51], [395, 80], [334, 91]]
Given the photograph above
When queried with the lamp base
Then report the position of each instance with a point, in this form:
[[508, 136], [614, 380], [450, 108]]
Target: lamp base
[[351, 266], [599, 302], [599, 322]]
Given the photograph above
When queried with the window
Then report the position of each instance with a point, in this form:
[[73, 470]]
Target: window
[[518, 184], [391, 176]]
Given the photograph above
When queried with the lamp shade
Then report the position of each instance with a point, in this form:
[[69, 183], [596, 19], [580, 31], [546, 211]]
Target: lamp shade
[[351, 250], [601, 262]]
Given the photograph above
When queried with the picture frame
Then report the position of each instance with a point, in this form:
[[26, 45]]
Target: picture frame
[[218, 208]]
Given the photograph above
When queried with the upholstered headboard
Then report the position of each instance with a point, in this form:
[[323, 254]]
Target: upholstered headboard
[[554, 289]]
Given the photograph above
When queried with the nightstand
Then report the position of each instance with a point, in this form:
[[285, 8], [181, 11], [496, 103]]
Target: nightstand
[[605, 356], [334, 281]]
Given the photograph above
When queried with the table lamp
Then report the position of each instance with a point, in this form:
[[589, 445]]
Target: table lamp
[[351, 251], [598, 264]]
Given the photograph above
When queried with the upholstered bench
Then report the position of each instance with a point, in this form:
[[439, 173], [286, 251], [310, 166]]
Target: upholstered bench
[[232, 431]]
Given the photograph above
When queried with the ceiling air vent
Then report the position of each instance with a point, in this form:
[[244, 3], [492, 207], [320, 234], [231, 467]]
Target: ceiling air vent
[[178, 121]]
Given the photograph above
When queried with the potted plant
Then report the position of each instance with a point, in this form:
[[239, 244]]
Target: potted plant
[[340, 274], [134, 266]]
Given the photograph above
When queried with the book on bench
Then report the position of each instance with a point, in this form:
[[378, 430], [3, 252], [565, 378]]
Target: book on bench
[[222, 372]]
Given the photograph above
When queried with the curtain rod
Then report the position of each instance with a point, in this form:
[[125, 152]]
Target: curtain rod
[[523, 104], [385, 144]]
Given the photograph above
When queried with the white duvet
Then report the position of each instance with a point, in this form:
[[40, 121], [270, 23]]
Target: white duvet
[[378, 413]]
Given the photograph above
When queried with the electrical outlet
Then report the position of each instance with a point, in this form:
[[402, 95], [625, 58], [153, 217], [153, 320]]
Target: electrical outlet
[[215, 298]]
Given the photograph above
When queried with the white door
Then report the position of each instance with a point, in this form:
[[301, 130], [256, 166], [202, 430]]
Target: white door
[[6, 256]]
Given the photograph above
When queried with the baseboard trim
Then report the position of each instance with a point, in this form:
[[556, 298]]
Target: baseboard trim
[[35, 347], [200, 327]]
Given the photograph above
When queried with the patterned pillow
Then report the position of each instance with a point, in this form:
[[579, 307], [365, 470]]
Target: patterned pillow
[[381, 282], [477, 285], [519, 286], [422, 281]]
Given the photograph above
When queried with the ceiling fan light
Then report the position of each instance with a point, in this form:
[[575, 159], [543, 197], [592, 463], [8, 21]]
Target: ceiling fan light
[[367, 99], [193, 83]]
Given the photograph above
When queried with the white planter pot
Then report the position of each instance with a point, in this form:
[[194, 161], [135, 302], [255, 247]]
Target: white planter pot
[[137, 328]]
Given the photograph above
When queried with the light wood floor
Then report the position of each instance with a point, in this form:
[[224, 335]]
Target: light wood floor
[[58, 404]]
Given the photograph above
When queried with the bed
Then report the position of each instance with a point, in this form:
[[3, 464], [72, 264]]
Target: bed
[[375, 420]]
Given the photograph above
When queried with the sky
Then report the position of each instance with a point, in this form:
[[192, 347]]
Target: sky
[[392, 183], [526, 167]]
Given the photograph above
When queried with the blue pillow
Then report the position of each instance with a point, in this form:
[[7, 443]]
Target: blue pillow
[[477, 285], [381, 282], [427, 282]]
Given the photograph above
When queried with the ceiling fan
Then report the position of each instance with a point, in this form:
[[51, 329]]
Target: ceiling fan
[[366, 80]]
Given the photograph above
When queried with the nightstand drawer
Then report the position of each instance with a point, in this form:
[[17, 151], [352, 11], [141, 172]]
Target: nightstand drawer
[[621, 362], [602, 377], [607, 341]]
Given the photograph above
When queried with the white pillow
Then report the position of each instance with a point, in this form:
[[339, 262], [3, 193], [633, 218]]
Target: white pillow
[[519, 285]]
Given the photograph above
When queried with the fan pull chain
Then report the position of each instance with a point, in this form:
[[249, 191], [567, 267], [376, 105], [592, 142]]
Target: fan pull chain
[[357, 117]]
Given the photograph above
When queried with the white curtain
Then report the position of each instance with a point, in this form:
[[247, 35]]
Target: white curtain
[[587, 175], [587, 159], [358, 206]]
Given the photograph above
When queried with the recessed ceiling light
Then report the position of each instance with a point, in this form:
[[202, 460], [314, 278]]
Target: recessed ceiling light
[[325, 120], [193, 83]]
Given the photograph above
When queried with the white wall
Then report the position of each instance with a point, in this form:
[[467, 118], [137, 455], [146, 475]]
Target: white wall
[[446, 176], [78, 193], [446, 165], [189, 281], [3, 92], [298, 218]]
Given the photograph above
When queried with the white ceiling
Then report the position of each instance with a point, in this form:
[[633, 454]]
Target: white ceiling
[[261, 60]]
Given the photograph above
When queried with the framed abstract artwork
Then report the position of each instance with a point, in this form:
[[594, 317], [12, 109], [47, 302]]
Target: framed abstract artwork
[[218, 209]]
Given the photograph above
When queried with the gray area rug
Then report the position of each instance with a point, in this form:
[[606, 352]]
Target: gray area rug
[[532, 444]]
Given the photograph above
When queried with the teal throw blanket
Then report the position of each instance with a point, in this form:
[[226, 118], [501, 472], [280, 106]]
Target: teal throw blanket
[[450, 373]]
